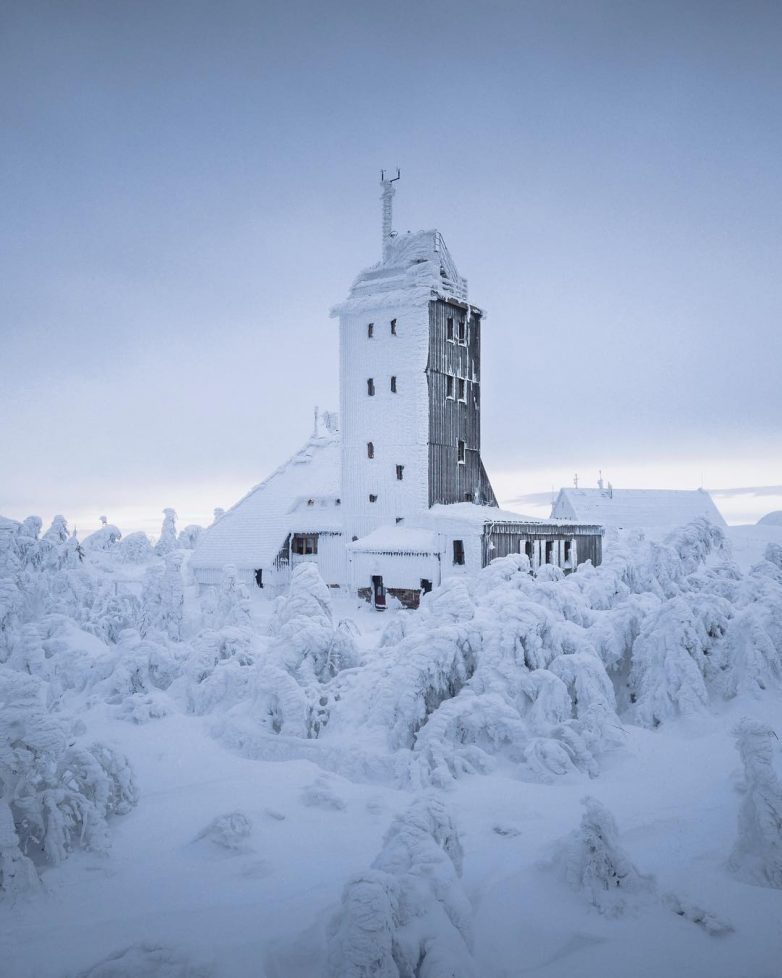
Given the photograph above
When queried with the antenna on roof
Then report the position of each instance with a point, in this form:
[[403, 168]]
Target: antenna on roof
[[387, 197], [575, 481], [600, 482]]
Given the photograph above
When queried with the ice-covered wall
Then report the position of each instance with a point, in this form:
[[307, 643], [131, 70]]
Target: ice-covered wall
[[396, 423]]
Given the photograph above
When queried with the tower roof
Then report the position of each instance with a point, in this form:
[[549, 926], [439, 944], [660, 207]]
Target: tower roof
[[415, 268]]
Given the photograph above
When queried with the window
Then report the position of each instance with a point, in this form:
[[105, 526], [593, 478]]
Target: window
[[372, 497], [426, 586], [529, 549], [449, 386], [304, 544], [400, 472], [468, 497], [371, 387], [549, 552], [370, 330], [568, 549], [461, 387], [458, 551], [398, 519], [259, 578], [462, 331], [449, 328], [460, 451], [393, 385], [393, 327], [370, 449]]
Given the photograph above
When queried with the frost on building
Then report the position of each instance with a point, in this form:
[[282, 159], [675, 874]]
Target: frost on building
[[293, 515], [657, 510], [408, 502]]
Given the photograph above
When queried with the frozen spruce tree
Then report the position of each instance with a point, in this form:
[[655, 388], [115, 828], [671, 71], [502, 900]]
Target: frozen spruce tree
[[408, 914], [168, 541], [596, 865], [757, 855]]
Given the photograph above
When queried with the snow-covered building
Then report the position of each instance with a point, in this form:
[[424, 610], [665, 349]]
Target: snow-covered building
[[643, 509], [398, 499]]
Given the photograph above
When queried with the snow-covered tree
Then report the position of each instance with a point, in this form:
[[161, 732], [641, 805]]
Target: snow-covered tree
[[757, 854], [309, 642], [408, 915], [163, 599], [595, 864], [188, 538], [102, 539], [167, 541], [59, 793], [135, 548]]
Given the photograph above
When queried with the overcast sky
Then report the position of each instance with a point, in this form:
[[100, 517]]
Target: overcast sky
[[188, 187]]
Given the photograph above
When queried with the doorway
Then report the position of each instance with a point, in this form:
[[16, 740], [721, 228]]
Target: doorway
[[378, 593]]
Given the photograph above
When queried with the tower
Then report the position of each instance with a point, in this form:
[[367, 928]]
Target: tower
[[409, 383]]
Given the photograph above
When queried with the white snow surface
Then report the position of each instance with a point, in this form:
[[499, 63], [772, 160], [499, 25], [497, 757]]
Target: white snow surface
[[628, 509], [528, 775]]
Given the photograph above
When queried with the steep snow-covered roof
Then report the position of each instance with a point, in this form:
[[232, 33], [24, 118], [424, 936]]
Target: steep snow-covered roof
[[636, 508], [416, 267], [251, 533]]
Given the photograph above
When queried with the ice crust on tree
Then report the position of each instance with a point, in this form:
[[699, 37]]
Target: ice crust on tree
[[757, 854], [594, 864], [408, 913]]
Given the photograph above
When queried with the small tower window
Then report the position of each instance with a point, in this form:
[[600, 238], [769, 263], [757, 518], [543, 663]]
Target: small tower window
[[393, 327], [449, 386], [400, 472], [461, 388], [371, 387], [460, 451], [449, 328], [393, 385], [370, 330], [373, 497], [458, 551], [462, 331], [370, 449]]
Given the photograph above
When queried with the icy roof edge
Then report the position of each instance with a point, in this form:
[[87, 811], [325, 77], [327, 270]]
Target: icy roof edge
[[417, 267]]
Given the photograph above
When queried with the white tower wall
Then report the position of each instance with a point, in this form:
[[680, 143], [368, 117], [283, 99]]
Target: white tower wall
[[397, 424]]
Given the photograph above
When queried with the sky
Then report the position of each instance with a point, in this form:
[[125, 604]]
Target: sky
[[187, 188]]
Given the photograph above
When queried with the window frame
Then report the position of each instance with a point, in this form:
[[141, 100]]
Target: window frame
[[458, 553], [449, 334], [450, 386], [461, 390], [461, 452]]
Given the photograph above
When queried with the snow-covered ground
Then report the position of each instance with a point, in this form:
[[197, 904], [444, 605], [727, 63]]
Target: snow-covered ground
[[320, 790]]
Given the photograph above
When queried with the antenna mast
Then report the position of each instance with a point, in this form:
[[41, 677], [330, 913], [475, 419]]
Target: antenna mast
[[387, 197]]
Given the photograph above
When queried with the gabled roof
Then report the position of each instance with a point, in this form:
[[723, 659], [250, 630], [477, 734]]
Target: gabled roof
[[251, 533], [416, 268], [636, 508]]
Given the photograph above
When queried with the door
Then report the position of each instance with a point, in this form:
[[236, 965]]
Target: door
[[378, 593]]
